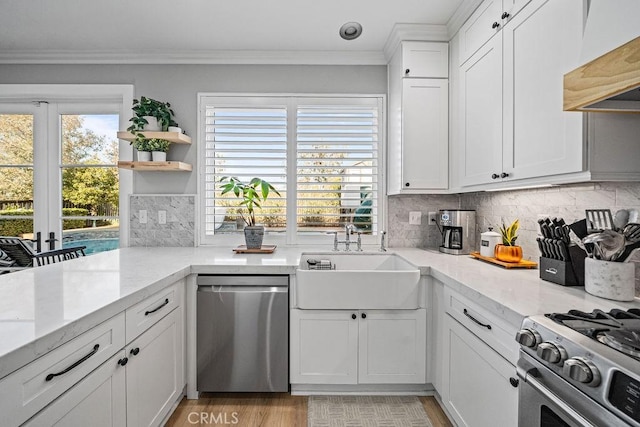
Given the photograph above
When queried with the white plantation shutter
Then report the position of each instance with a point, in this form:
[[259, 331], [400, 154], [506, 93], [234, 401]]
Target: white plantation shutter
[[332, 146], [245, 141], [337, 147]]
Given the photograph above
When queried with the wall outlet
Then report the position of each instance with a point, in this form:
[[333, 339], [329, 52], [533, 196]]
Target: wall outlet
[[415, 218], [142, 216], [162, 217], [432, 218]]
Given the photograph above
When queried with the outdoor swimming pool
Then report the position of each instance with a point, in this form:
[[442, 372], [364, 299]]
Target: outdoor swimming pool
[[95, 240], [93, 245]]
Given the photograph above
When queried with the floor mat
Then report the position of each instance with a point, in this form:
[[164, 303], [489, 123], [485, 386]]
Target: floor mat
[[366, 411]]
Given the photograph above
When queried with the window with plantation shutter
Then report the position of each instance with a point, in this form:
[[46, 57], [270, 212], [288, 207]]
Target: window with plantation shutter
[[322, 154], [337, 164]]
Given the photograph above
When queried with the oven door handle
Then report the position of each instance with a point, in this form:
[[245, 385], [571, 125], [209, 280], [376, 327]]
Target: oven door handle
[[528, 377]]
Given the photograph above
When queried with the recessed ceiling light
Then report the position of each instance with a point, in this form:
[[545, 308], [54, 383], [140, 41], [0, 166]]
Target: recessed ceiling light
[[350, 30]]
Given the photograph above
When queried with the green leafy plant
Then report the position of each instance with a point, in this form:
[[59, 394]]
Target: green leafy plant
[[252, 194], [510, 233], [150, 107], [158, 145], [141, 144]]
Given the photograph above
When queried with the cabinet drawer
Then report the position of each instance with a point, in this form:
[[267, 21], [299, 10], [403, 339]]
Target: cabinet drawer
[[488, 326], [425, 59], [27, 391], [146, 313]]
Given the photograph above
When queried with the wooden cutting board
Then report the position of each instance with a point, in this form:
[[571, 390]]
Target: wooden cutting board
[[521, 264]]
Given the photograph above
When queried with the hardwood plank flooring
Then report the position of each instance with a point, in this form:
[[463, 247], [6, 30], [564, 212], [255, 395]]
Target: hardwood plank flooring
[[263, 410]]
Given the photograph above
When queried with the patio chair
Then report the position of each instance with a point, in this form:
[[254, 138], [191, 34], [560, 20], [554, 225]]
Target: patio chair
[[23, 256]]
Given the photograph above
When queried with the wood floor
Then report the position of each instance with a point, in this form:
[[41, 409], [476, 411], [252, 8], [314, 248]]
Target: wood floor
[[263, 410]]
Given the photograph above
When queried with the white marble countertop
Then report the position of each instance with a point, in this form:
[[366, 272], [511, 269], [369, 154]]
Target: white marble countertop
[[43, 307]]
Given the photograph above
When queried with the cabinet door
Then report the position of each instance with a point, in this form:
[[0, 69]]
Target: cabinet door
[[477, 390], [425, 134], [392, 347], [155, 372], [479, 28], [425, 59], [324, 347], [481, 115], [541, 44], [98, 400]]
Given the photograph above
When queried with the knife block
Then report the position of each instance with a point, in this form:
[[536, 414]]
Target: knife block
[[565, 273]]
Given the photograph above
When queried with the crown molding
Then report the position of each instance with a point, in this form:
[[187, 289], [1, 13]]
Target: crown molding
[[231, 57], [462, 13], [414, 32]]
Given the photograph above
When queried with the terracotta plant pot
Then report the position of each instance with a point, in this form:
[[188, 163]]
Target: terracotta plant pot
[[508, 253]]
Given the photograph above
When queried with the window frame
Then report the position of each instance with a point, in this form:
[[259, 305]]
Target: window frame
[[290, 237]]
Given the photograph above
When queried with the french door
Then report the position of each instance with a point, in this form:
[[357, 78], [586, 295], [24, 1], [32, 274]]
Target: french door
[[58, 173]]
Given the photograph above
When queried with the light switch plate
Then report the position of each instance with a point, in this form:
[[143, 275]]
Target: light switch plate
[[162, 217], [415, 218], [142, 216]]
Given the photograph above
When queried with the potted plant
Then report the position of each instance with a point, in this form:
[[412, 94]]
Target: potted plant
[[252, 195], [159, 148], [150, 115], [143, 148], [508, 251]]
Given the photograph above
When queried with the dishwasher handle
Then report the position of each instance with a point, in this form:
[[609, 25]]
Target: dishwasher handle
[[243, 289]]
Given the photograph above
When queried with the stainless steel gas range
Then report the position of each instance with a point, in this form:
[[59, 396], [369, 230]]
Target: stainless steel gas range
[[580, 369]]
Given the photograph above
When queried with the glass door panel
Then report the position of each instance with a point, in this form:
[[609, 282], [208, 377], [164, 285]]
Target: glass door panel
[[89, 175], [16, 171]]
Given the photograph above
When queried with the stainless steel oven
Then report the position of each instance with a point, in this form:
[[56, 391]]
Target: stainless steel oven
[[580, 370]]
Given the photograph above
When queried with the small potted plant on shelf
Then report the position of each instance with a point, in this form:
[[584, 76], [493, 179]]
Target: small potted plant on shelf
[[508, 251], [144, 150], [158, 148], [252, 195], [151, 115]]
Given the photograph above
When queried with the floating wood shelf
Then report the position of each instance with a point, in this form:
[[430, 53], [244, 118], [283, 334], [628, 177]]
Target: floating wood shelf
[[175, 137], [156, 166]]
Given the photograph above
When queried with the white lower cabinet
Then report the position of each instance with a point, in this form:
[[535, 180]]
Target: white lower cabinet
[[98, 400], [477, 387], [98, 379], [155, 372], [358, 346]]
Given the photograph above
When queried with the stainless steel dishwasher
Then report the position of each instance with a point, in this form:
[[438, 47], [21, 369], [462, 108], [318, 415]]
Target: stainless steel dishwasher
[[243, 333]]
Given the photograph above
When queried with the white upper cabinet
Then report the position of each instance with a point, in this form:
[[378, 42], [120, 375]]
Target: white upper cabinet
[[418, 155], [425, 60], [512, 126], [486, 21]]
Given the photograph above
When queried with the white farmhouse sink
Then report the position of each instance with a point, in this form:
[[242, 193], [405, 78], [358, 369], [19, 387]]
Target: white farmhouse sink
[[359, 281]]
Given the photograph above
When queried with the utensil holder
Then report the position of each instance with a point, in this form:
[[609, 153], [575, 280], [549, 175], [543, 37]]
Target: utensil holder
[[610, 280]]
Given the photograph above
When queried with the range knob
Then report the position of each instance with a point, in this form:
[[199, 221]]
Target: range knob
[[582, 370], [551, 353], [528, 338]]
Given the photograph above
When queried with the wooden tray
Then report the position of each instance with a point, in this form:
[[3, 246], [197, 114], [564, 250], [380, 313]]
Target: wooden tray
[[265, 249], [521, 264]]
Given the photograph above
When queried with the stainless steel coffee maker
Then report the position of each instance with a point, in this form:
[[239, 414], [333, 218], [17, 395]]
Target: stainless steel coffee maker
[[458, 228]]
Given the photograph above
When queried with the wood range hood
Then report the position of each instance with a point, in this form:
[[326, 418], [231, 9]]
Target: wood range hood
[[610, 83]]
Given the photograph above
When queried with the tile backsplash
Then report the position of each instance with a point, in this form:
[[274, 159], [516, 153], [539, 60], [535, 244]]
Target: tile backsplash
[[566, 201], [179, 229]]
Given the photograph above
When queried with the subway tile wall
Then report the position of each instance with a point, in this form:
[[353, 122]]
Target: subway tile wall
[[179, 229]]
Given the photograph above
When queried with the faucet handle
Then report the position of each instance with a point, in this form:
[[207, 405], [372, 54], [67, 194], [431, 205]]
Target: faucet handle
[[359, 242], [335, 239], [383, 235]]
